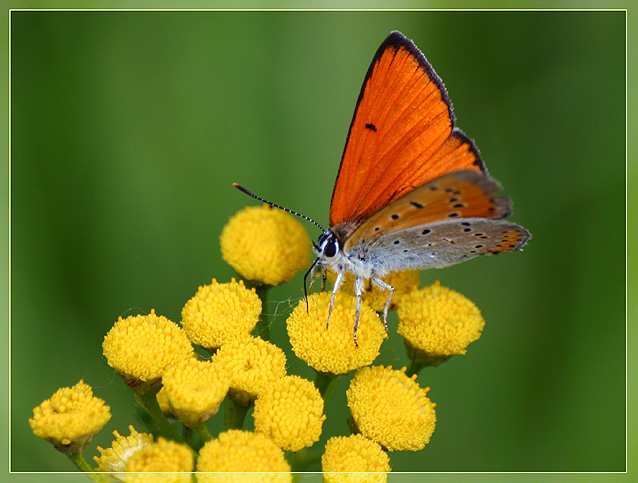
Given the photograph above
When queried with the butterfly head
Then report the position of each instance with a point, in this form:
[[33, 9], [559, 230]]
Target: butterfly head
[[332, 249], [328, 245]]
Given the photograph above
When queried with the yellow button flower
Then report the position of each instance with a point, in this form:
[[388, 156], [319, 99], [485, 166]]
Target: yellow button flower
[[195, 390], [404, 283], [173, 460], [265, 244], [113, 460], [332, 349], [438, 323], [162, 400], [242, 451], [252, 364], [390, 408], [220, 312], [290, 412], [71, 418], [354, 459], [142, 347]]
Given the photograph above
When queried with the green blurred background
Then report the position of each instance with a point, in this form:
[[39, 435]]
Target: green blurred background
[[128, 129]]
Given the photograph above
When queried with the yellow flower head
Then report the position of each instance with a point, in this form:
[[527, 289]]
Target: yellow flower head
[[290, 412], [347, 457], [390, 408], [265, 244], [252, 365], [195, 390], [332, 349], [220, 312], [70, 418], [237, 451], [438, 323], [142, 347], [162, 400], [161, 457], [115, 459], [404, 283]]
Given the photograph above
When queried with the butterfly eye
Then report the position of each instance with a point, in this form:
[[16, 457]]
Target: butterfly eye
[[332, 247], [328, 244]]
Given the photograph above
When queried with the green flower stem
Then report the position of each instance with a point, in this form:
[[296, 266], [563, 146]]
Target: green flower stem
[[234, 414], [149, 402], [203, 432], [188, 436], [263, 325], [415, 368], [79, 461], [302, 459], [326, 383], [421, 359]]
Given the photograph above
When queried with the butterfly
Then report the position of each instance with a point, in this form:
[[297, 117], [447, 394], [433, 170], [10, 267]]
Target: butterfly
[[412, 191]]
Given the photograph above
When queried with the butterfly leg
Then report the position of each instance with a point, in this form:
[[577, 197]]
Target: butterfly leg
[[386, 307], [335, 289], [358, 290], [324, 278]]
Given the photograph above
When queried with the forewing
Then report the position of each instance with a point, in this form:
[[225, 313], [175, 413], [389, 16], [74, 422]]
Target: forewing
[[402, 134]]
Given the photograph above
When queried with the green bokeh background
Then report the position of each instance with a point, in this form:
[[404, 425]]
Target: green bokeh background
[[128, 129]]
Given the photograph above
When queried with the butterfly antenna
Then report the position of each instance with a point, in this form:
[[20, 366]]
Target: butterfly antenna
[[253, 195]]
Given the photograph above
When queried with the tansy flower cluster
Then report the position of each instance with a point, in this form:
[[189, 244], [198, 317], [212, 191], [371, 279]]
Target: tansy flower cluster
[[218, 362]]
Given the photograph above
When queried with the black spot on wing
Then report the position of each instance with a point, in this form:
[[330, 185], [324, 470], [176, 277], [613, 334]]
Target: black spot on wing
[[371, 126]]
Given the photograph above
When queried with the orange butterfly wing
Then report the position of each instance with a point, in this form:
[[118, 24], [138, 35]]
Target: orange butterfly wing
[[402, 134]]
